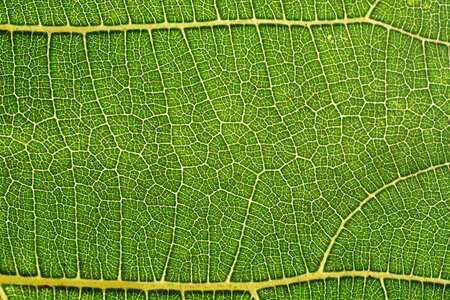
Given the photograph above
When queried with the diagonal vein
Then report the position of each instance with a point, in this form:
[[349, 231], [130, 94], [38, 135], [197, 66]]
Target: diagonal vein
[[367, 199]]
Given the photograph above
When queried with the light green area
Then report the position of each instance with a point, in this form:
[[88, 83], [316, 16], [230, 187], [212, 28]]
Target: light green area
[[349, 288], [61, 293], [346, 288], [226, 152], [429, 18]]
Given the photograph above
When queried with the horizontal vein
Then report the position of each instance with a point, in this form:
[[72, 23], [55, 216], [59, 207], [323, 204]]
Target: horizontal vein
[[207, 286], [370, 196], [184, 25], [174, 25]]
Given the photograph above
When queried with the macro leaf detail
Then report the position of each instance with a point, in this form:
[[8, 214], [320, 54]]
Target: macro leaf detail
[[225, 149]]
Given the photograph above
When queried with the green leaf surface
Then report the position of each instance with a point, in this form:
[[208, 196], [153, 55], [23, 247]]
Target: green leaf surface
[[265, 149]]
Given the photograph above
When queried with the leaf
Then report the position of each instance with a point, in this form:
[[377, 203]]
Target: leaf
[[224, 149]]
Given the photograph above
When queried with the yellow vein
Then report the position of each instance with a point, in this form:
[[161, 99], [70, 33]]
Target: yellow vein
[[367, 199], [185, 25], [2, 294], [251, 287]]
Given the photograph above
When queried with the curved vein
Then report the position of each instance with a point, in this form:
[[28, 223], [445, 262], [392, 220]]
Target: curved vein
[[367, 199]]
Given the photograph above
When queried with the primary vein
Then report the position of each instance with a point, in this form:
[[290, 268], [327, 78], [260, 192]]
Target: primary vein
[[207, 286], [184, 25]]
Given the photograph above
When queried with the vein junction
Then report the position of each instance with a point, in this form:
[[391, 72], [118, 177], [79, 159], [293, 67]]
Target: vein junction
[[216, 286], [208, 286], [185, 25], [252, 287]]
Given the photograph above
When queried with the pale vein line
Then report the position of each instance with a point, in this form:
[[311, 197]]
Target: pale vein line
[[55, 117], [297, 224], [269, 77], [209, 99], [3, 294], [33, 195], [209, 286], [125, 27], [8, 189], [367, 199], [105, 117], [174, 226], [254, 294], [244, 226], [372, 7], [383, 286]]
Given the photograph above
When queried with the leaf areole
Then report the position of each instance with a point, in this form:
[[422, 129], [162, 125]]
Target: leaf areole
[[222, 150]]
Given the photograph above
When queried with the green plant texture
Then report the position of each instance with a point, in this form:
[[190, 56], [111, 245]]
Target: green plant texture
[[225, 149]]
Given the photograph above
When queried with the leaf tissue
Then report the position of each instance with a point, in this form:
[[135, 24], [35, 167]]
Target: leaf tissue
[[225, 149]]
